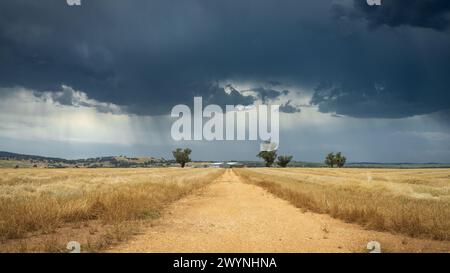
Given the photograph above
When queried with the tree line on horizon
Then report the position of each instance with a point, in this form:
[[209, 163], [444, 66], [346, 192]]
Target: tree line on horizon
[[182, 156]]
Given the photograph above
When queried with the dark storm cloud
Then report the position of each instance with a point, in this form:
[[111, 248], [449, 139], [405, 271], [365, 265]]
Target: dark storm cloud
[[289, 108], [69, 97], [434, 14], [267, 94], [148, 56], [230, 96], [274, 83]]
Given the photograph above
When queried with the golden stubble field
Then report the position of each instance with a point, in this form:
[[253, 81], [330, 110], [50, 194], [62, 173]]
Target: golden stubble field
[[415, 202], [41, 209]]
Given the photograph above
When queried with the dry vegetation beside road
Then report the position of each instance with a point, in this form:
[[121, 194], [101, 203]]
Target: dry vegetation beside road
[[43, 209], [415, 202], [229, 215], [36, 203]]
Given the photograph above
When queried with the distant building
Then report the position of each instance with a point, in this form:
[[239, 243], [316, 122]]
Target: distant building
[[235, 165], [217, 165], [226, 165]]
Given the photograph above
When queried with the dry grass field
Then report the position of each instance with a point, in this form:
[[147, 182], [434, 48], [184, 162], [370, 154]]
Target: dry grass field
[[103, 209], [40, 209], [415, 202]]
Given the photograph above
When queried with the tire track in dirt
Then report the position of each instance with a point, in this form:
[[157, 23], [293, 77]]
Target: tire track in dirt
[[231, 216]]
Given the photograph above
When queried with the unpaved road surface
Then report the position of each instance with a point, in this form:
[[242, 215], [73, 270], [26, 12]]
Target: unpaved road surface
[[232, 216]]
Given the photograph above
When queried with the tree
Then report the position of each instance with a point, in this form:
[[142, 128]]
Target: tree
[[268, 156], [330, 160], [283, 160], [339, 160], [182, 156]]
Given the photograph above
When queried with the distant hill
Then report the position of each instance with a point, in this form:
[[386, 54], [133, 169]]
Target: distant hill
[[11, 160], [8, 155], [397, 165]]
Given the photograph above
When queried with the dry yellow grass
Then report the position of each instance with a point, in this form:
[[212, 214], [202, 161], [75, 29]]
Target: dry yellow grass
[[41, 201], [415, 202]]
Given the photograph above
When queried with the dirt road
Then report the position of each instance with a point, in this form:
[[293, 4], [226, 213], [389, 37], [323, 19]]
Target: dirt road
[[232, 216]]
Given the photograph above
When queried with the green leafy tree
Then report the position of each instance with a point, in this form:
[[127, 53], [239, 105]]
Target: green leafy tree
[[283, 160], [330, 160], [268, 156], [340, 160], [182, 156]]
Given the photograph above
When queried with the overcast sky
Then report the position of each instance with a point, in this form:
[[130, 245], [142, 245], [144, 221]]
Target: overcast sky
[[101, 78]]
